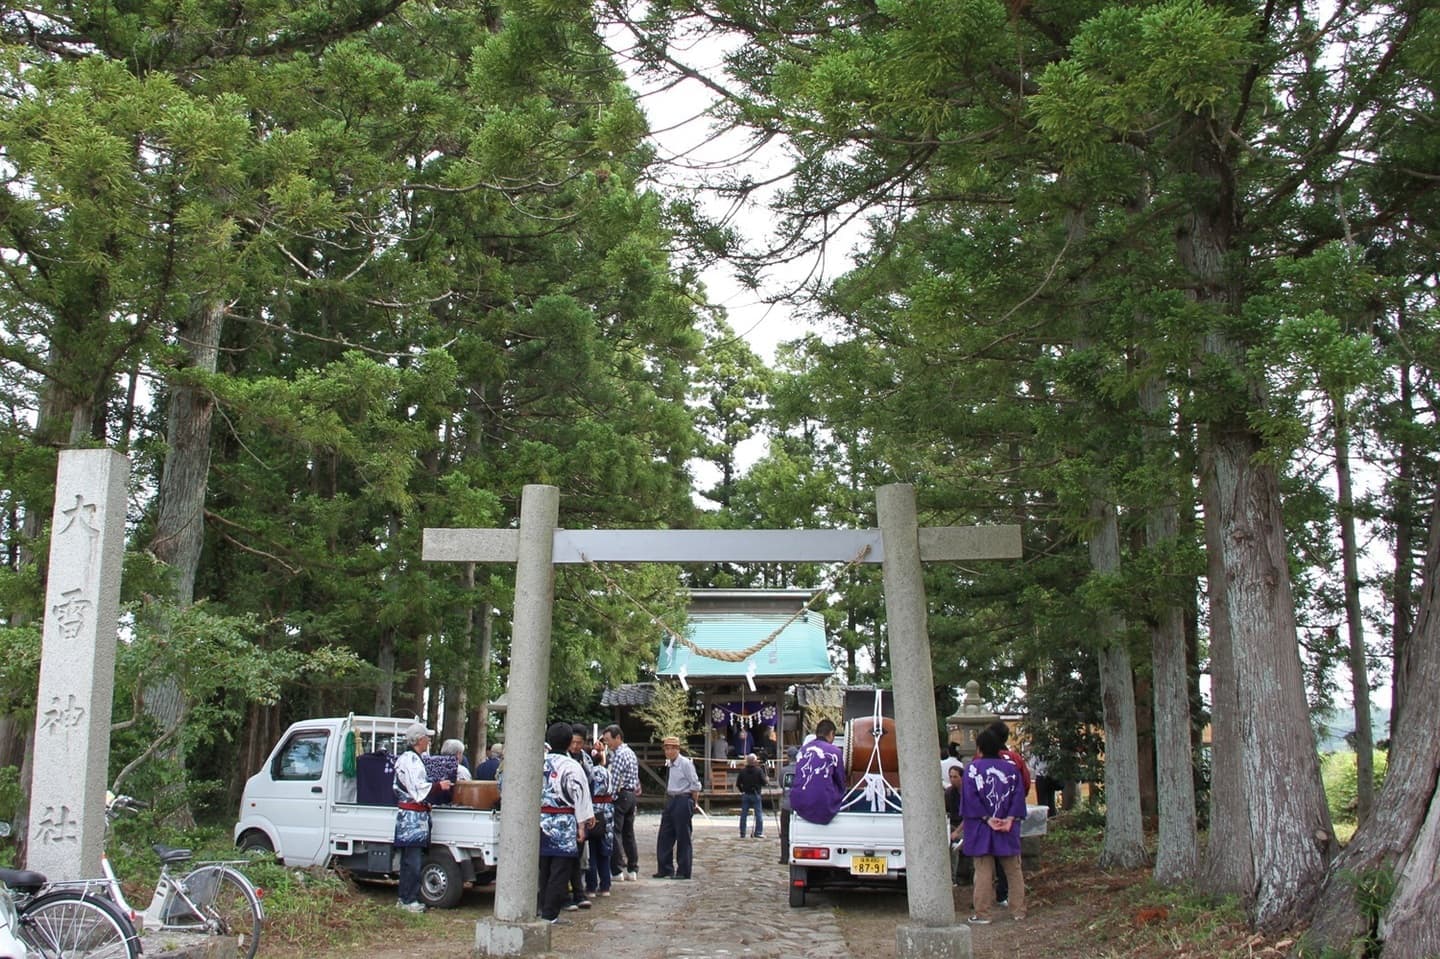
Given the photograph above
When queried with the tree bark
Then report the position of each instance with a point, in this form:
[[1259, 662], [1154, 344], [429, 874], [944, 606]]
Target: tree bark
[[180, 511], [1177, 853], [1229, 866], [1124, 845], [1287, 817], [1403, 505], [1359, 671], [483, 637], [1284, 803], [1406, 840], [385, 683], [180, 504]]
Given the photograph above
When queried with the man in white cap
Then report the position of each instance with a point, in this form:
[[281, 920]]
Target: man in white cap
[[413, 792]]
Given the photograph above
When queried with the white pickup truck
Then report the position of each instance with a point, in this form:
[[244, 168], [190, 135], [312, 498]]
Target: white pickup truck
[[310, 808], [863, 845]]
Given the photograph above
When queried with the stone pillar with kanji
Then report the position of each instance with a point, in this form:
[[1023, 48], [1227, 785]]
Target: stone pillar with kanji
[[77, 665]]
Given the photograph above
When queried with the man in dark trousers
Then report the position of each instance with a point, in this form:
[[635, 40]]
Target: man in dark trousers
[[682, 791], [750, 781], [787, 778], [625, 780]]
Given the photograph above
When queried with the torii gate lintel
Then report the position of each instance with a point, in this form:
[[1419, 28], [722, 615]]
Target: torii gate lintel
[[938, 544]]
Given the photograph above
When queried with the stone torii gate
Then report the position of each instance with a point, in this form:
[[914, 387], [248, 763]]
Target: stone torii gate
[[899, 545]]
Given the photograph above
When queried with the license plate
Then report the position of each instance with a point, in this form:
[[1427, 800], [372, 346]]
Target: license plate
[[867, 865]]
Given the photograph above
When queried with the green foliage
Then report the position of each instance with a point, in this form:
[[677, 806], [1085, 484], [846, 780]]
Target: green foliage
[[20, 667], [1339, 774], [1373, 890], [11, 794], [670, 713]]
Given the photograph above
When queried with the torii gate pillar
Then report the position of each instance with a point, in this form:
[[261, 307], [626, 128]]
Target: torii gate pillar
[[515, 929], [931, 933]]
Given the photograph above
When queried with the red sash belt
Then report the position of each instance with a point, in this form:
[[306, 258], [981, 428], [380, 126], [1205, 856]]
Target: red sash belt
[[604, 799], [558, 809], [414, 806]]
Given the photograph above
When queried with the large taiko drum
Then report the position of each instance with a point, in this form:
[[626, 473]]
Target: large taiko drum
[[871, 748], [476, 793]]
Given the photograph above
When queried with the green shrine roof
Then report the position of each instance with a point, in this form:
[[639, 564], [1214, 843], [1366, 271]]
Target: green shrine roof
[[797, 654]]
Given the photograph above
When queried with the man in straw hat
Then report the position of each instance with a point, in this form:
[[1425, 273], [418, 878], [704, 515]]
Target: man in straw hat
[[682, 792]]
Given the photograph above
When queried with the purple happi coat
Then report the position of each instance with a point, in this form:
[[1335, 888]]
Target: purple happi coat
[[992, 787], [819, 782]]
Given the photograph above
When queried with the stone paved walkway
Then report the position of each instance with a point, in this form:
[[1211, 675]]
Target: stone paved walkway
[[735, 907]]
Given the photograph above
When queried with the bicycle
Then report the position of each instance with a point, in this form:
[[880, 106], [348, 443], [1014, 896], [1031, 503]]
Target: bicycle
[[62, 923], [55, 923], [213, 898]]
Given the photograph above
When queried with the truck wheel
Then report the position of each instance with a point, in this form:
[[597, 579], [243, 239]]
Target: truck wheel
[[440, 882], [797, 886], [256, 845]]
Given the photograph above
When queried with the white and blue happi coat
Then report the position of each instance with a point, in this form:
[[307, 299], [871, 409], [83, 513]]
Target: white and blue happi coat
[[412, 785], [564, 804], [603, 795]]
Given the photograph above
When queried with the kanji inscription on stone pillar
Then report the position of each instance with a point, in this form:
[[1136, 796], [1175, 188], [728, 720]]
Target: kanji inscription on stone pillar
[[77, 665]]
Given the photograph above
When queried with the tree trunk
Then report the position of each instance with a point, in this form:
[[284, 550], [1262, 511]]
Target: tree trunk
[[1359, 671], [415, 682], [180, 506], [457, 685], [1403, 508], [1405, 841], [1124, 845], [180, 511], [1285, 801], [1144, 698], [1229, 867], [482, 634], [385, 683], [1176, 854]]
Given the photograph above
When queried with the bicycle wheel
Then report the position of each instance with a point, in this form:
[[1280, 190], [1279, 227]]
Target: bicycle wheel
[[228, 903], [69, 924]]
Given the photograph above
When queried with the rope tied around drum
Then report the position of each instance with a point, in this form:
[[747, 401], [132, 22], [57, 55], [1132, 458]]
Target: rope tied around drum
[[738, 656]]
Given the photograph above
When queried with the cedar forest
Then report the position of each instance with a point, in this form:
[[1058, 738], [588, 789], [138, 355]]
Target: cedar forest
[[1153, 278]]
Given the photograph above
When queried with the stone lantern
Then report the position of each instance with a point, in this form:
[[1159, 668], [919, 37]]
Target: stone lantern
[[969, 719]]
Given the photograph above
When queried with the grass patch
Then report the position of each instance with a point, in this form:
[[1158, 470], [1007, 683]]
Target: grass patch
[[306, 910]]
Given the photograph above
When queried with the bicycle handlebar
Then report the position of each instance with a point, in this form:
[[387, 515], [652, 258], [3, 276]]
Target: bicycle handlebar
[[118, 804]]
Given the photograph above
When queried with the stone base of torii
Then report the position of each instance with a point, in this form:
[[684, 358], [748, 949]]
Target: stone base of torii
[[899, 545]]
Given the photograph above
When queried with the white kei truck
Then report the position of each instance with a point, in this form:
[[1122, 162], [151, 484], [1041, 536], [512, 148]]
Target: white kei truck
[[863, 845], [311, 807]]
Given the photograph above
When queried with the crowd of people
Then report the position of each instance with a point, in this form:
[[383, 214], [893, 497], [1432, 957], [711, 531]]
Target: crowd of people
[[587, 819], [591, 791], [587, 813]]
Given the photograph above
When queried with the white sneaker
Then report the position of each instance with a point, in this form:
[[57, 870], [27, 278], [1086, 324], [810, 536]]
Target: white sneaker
[[411, 906], [632, 876]]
